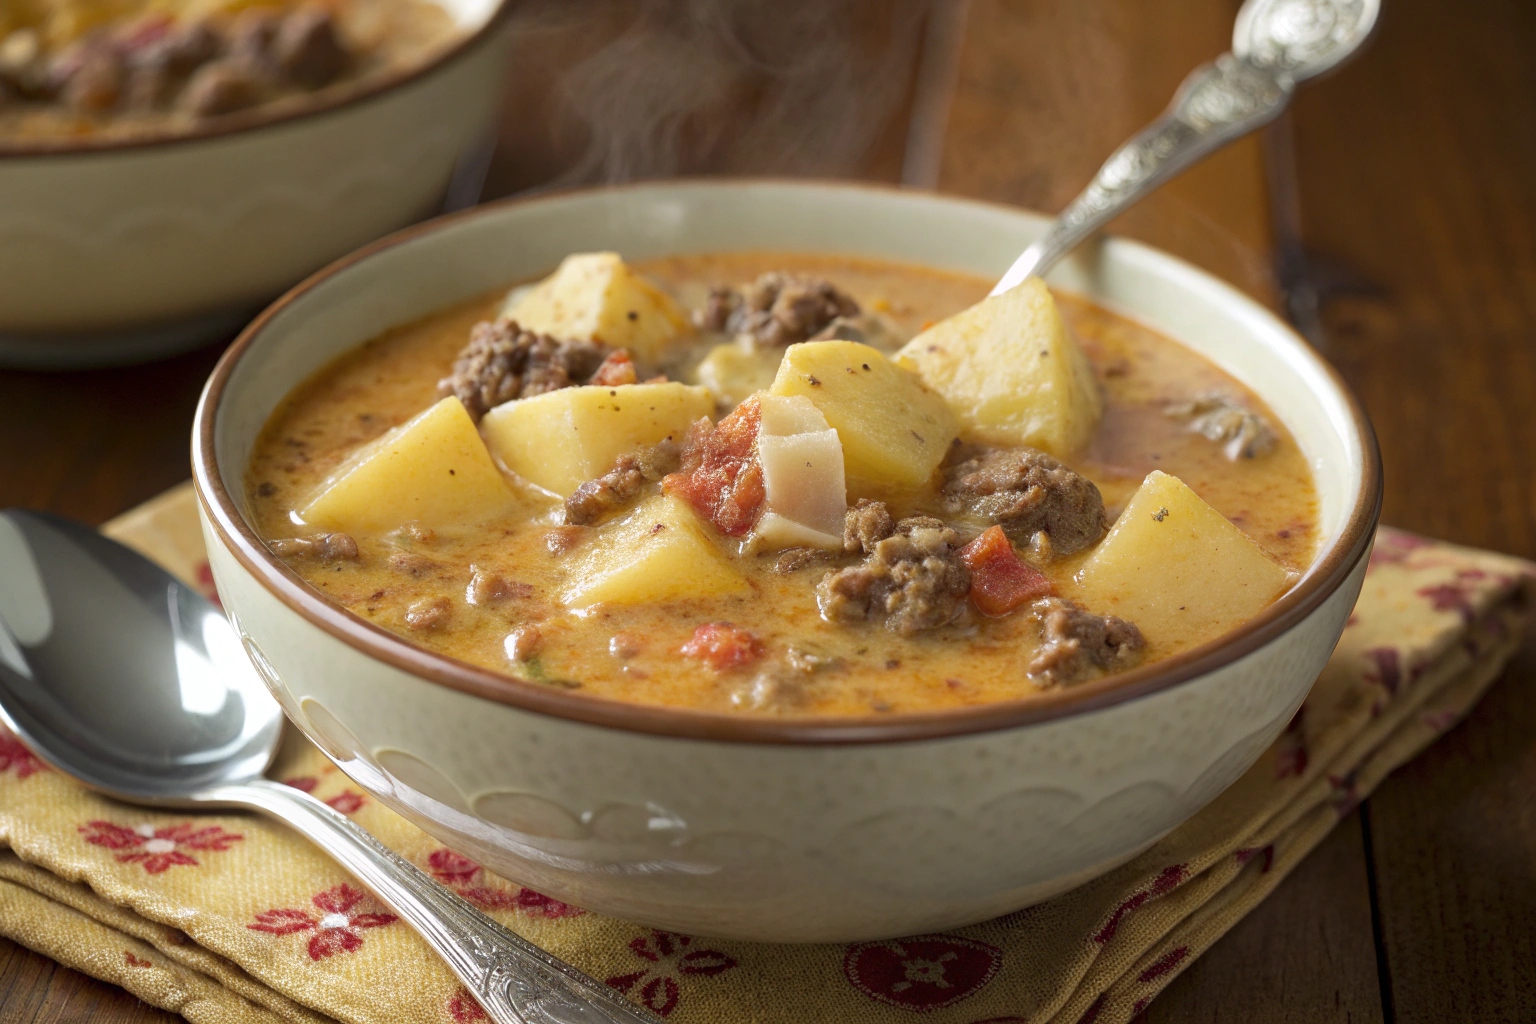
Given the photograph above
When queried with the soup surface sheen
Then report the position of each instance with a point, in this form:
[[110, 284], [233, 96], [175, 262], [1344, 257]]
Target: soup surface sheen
[[634, 653]]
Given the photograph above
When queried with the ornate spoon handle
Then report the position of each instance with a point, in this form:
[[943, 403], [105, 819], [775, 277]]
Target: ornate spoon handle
[[1275, 44], [1218, 102], [515, 981]]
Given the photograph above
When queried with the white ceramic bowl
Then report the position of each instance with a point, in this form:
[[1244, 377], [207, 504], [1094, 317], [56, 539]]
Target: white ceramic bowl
[[117, 250], [765, 828]]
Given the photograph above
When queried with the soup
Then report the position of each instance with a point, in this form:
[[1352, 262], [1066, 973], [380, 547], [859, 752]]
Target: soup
[[788, 484], [81, 68]]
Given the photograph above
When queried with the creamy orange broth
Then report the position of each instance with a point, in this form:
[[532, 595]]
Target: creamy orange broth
[[980, 660]]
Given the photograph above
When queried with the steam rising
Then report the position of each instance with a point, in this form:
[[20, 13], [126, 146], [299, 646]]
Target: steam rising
[[721, 86]]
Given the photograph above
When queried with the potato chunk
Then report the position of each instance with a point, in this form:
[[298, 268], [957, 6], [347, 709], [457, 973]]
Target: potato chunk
[[561, 439], [433, 470], [894, 430], [594, 296], [1011, 371], [733, 371], [1177, 568], [659, 552]]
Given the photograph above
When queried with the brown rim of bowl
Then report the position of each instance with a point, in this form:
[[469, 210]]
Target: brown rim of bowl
[[259, 118], [1325, 576]]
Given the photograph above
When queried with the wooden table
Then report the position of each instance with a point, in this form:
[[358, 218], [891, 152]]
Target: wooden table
[[1394, 216]]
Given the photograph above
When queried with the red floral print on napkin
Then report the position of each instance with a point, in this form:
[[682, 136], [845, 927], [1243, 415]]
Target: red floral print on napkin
[[457, 871], [1394, 548], [1266, 855], [336, 927], [452, 869], [1291, 749], [158, 849], [1164, 965], [926, 972], [1164, 883], [13, 754], [672, 957], [347, 801], [1346, 794], [1455, 595], [463, 1008]]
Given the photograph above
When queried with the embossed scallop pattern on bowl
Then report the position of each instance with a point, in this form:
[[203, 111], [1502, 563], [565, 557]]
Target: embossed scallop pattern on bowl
[[789, 839], [797, 843]]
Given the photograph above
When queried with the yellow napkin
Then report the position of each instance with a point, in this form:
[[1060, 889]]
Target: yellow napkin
[[234, 919]]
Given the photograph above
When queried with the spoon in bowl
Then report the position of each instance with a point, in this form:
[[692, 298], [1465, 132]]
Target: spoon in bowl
[[1276, 44], [116, 673]]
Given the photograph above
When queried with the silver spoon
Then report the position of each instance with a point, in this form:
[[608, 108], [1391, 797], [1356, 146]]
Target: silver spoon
[[1276, 44], [119, 675]]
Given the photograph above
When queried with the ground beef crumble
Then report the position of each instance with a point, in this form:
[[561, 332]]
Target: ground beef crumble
[[866, 328], [411, 563], [503, 362], [1027, 492], [308, 49], [429, 613], [1076, 644], [221, 87], [866, 523], [598, 498], [324, 547], [776, 309], [524, 642], [204, 66], [794, 559], [1242, 433], [487, 587], [911, 576]]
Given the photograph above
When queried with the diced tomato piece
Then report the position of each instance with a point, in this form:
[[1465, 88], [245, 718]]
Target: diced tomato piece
[[723, 646], [617, 369], [1000, 580], [721, 477]]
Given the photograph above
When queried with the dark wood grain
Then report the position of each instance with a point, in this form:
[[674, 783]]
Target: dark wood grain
[[1047, 91], [1417, 175], [1305, 953], [35, 990], [91, 445], [24, 978], [1416, 170], [1453, 842]]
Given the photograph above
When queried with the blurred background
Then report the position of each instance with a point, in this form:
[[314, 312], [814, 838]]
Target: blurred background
[[1391, 215]]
